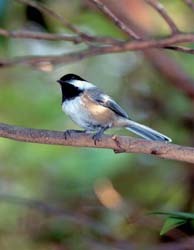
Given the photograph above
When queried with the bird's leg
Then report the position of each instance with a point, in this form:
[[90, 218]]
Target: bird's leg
[[68, 132], [96, 137]]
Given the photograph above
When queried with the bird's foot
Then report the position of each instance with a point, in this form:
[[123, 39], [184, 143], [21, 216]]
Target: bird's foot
[[68, 133], [96, 137]]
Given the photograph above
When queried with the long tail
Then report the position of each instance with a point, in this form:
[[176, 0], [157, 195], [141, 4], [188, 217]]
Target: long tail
[[146, 132]]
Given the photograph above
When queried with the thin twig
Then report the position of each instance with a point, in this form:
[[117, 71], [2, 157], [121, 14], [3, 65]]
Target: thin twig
[[181, 49], [56, 37], [116, 20], [94, 51], [117, 143], [190, 3], [161, 10], [167, 66], [51, 13], [74, 38], [40, 36], [172, 72], [58, 17]]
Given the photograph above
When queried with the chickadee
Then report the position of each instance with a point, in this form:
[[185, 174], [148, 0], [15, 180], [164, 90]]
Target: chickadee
[[93, 110]]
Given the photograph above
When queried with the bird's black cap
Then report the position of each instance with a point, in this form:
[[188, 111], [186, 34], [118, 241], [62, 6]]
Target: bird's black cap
[[69, 77]]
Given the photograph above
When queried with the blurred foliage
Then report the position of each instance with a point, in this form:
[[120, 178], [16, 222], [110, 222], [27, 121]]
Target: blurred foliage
[[68, 177]]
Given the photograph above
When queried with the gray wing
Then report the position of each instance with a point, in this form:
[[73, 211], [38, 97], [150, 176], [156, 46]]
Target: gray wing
[[106, 101]]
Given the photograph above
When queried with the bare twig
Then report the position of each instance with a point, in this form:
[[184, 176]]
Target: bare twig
[[75, 39], [61, 19], [161, 10], [94, 51], [172, 72], [168, 67], [51, 13], [56, 37], [114, 45], [40, 36], [117, 143], [181, 49], [115, 19], [190, 3]]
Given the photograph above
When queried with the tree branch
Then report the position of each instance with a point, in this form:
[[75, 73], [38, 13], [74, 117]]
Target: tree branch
[[118, 143], [168, 67], [190, 3], [97, 45], [94, 51], [40, 36], [172, 72], [181, 49], [57, 37], [116, 20], [58, 17], [51, 13], [161, 10]]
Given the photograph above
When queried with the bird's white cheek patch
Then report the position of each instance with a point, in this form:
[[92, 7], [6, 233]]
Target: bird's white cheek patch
[[82, 84]]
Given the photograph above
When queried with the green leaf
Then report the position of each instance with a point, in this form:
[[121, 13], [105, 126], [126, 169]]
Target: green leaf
[[174, 219], [178, 215], [171, 223]]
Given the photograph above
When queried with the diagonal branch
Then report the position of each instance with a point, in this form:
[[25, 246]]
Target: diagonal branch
[[58, 17], [117, 143], [51, 13], [172, 72], [161, 10], [166, 66], [190, 3], [116, 20]]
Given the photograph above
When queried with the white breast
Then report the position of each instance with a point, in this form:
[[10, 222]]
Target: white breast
[[77, 111]]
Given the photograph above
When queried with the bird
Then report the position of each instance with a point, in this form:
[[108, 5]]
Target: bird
[[94, 111]]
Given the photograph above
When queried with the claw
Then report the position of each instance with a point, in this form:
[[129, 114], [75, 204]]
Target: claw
[[96, 137], [67, 134]]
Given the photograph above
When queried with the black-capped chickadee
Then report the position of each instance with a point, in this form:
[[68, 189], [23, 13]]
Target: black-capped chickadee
[[93, 110]]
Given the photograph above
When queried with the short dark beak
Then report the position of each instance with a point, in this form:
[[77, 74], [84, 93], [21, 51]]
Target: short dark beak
[[59, 81]]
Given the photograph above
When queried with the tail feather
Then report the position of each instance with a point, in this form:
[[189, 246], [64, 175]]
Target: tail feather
[[147, 132]]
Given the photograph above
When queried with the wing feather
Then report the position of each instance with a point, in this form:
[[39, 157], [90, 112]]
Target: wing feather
[[106, 101]]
